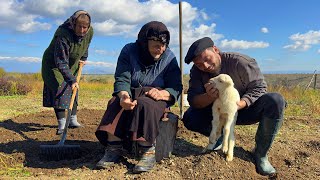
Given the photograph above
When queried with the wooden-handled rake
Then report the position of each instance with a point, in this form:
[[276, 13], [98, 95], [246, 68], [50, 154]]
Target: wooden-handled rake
[[62, 151]]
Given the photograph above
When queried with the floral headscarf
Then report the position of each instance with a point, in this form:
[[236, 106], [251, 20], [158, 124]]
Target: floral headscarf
[[71, 21]]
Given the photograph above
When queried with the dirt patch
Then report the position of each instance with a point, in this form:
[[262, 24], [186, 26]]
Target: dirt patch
[[295, 153]]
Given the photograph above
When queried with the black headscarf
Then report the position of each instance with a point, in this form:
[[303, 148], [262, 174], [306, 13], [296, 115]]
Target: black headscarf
[[153, 30]]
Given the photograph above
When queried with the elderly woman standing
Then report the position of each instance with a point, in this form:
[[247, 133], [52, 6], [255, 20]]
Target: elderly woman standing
[[147, 81], [60, 64]]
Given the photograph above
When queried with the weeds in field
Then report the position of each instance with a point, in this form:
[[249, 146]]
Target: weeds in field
[[12, 169], [300, 102]]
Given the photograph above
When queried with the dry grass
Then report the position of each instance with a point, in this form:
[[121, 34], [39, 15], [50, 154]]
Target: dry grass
[[91, 96], [96, 90]]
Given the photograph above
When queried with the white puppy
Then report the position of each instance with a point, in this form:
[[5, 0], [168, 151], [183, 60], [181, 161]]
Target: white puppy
[[224, 112]]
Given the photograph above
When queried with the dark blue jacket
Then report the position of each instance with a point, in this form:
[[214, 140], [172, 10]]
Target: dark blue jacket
[[131, 73]]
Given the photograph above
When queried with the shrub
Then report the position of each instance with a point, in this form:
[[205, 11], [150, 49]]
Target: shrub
[[5, 86], [37, 76], [23, 89], [9, 86]]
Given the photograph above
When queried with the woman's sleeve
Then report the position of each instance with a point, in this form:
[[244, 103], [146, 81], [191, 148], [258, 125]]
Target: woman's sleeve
[[61, 58], [85, 55], [173, 82], [123, 73]]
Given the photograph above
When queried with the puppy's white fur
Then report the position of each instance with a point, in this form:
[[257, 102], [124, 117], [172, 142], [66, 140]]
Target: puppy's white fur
[[224, 112]]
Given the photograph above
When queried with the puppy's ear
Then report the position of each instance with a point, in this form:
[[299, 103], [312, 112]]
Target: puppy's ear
[[228, 80], [210, 80]]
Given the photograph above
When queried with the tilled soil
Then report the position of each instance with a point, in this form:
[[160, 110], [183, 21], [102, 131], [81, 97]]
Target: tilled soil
[[295, 152]]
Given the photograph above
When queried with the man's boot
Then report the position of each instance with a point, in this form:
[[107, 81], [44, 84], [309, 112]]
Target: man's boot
[[267, 130], [147, 159], [74, 122], [112, 155], [61, 124], [218, 144]]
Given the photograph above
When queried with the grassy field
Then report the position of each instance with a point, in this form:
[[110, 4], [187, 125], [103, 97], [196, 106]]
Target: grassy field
[[95, 90]]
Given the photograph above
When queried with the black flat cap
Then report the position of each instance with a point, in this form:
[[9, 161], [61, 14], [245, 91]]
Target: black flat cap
[[197, 47]]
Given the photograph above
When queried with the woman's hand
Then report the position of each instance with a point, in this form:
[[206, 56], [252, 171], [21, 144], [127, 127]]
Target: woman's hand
[[157, 94], [83, 62], [125, 102], [75, 85]]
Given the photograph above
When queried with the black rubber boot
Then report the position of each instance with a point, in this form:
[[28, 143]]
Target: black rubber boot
[[113, 154], [147, 159], [267, 130]]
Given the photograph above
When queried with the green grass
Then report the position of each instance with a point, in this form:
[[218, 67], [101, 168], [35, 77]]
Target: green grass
[[15, 172]]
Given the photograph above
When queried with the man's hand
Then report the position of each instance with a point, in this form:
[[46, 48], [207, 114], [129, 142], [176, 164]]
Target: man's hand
[[155, 94], [241, 104], [203, 100], [212, 92], [125, 102]]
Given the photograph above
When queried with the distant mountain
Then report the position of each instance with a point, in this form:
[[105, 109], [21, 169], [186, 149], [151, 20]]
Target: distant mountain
[[288, 72]]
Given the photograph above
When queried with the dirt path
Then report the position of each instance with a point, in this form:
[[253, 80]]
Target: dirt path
[[295, 153]]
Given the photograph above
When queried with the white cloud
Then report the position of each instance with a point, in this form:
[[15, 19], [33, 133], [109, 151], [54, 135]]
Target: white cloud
[[318, 51], [264, 30], [125, 17], [110, 18], [49, 8], [303, 42], [204, 15], [192, 34], [298, 45], [241, 44], [121, 17], [32, 26], [100, 64], [111, 27], [12, 15], [107, 53], [20, 59]]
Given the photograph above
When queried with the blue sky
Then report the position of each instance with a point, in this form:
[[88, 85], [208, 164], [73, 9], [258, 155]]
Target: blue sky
[[282, 35]]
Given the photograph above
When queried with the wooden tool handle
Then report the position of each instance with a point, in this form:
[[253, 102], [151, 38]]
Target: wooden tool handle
[[74, 91]]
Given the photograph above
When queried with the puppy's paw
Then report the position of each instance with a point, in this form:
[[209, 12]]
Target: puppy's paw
[[229, 158], [225, 149]]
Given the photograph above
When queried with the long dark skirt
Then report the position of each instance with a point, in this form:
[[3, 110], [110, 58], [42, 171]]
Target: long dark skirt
[[59, 98], [141, 123]]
